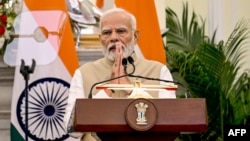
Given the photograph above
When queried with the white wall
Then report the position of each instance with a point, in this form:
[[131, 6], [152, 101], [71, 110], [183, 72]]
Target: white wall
[[235, 10]]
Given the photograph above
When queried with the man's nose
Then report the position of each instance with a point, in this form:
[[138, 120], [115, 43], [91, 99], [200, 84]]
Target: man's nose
[[114, 36]]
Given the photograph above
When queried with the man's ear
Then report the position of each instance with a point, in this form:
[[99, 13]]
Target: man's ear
[[136, 35]]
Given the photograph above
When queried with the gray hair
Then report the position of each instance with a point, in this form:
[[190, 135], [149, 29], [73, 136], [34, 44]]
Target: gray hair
[[119, 10]]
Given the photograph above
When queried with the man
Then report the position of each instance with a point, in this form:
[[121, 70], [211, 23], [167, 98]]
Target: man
[[118, 37]]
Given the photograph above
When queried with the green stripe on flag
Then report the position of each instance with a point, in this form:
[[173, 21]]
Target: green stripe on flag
[[15, 136]]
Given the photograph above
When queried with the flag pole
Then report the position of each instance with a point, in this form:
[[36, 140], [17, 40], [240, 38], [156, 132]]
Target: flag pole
[[25, 71]]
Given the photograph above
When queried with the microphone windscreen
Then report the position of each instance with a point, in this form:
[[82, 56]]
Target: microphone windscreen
[[124, 62], [130, 60]]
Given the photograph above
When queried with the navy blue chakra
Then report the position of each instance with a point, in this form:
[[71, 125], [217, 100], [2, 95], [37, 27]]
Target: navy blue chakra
[[46, 108]]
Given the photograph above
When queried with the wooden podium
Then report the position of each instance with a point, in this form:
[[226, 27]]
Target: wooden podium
[[116, 119]]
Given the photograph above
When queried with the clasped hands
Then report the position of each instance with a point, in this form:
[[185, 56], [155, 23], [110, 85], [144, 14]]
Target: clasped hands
[[118, 70]]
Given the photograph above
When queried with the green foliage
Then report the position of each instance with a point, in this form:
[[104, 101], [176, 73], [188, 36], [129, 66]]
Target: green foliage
[[210, 70]]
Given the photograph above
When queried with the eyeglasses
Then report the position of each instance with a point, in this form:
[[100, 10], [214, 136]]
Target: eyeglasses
[[122, 32]]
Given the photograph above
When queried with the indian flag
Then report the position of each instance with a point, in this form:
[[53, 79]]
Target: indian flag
[[43, 34]]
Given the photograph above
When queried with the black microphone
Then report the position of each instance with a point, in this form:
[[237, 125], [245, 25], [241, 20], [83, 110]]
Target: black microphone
[[131, 61], [124, 63]]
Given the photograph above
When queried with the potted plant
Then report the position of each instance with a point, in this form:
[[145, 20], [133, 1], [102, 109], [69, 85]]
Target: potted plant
[[210, 70]]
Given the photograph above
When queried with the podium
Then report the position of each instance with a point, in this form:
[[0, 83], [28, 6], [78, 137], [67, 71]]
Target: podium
[[117, 119]]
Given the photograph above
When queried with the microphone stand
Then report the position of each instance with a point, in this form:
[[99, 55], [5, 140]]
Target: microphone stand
[[131, 61], [187, 94], [91, 89], [25, 71]]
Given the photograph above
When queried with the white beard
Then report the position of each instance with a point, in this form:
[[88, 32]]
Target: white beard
[[127, 50]]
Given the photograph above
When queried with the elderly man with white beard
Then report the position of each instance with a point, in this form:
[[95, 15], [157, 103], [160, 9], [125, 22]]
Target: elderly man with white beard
[[118, 36]]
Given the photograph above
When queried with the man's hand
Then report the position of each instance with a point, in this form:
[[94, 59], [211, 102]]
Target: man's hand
[[118, 69]]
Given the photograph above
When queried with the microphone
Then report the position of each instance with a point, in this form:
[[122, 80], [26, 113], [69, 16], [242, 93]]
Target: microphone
[[124, 63], [131, 61]]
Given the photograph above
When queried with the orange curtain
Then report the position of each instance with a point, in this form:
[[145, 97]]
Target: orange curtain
[[150, 40]]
